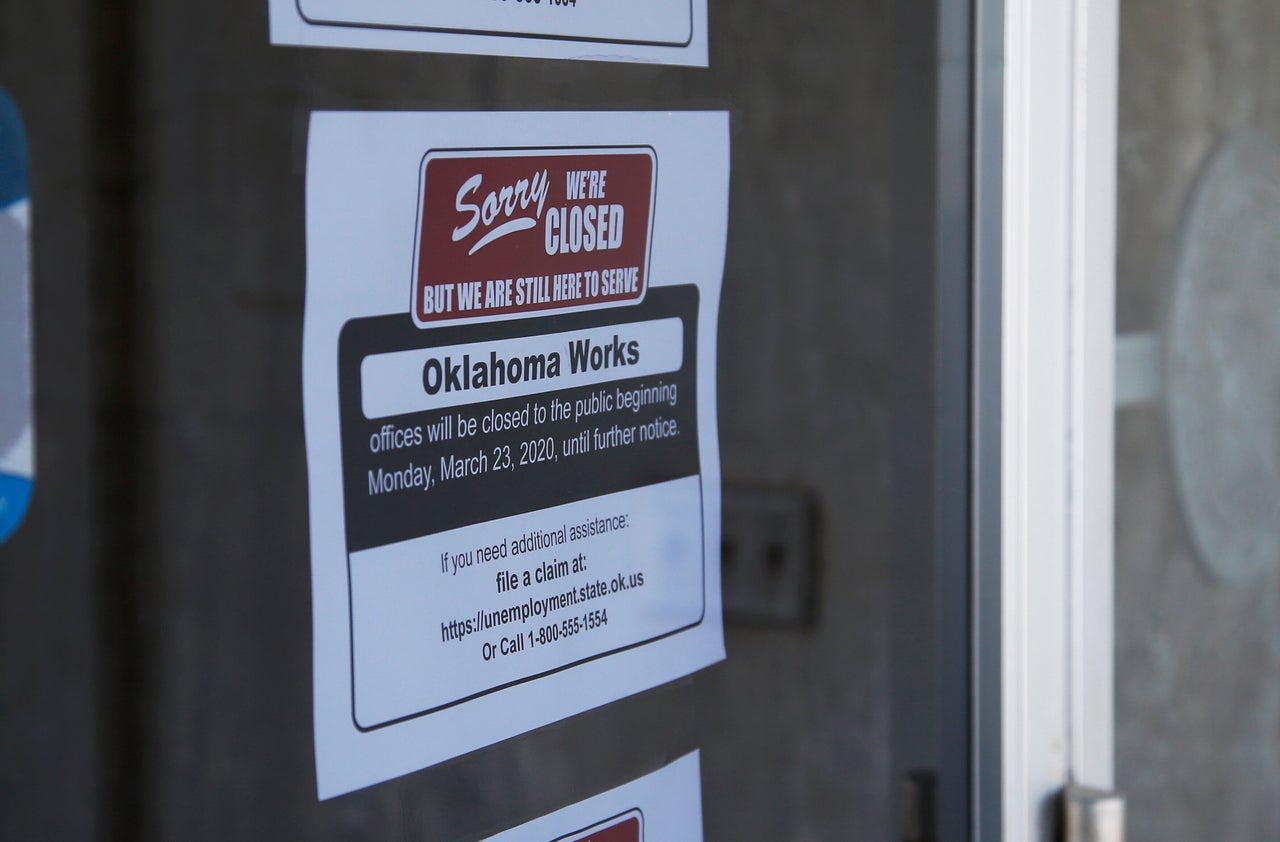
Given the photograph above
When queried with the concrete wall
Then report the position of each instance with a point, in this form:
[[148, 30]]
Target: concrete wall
[[1198, 662], [156, 608]]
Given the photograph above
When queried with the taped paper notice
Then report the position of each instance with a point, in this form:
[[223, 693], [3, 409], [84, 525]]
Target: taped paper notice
[[655, 31], [509, 386], [665, 806]]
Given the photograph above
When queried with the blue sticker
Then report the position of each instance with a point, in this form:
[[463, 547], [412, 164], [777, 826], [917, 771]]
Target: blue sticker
[[13, 152], [15, 494], [17, 432]]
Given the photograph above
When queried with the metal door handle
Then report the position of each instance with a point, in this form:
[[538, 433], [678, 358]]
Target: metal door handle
[[1092, 815]]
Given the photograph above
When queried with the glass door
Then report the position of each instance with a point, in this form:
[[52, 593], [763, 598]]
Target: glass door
[[155, 607]]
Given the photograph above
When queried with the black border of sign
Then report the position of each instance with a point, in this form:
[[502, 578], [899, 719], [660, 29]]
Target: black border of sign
[[589, 316], [517, 152], [604, 824], [530, 36]]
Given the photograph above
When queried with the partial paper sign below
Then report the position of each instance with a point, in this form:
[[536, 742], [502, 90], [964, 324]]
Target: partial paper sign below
[[656, 31], [509, 387], [664, 806]]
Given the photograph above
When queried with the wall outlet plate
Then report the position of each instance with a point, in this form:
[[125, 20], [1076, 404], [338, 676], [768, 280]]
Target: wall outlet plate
[[768, 555]]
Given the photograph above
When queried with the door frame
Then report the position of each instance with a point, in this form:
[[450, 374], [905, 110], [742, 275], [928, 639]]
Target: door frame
[[1045, 495]]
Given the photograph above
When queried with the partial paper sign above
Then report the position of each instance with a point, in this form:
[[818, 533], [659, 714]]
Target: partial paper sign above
[[664, 806], [509, 389], [656, 31]]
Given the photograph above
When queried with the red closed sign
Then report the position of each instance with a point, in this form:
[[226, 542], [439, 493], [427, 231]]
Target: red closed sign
[[516, 231]]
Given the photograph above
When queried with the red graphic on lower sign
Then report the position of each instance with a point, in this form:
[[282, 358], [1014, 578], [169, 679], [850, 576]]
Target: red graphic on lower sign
[[531, 230], [627, 829]]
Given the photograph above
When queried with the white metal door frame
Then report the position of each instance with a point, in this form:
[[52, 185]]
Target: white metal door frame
[[1056, 442]]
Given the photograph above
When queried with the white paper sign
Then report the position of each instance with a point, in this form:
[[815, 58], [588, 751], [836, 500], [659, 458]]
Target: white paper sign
[[655, 31], [664, 806], [509, 391]]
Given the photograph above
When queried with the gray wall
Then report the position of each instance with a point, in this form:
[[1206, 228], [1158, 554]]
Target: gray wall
[[1198, 662], [155, 622]]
